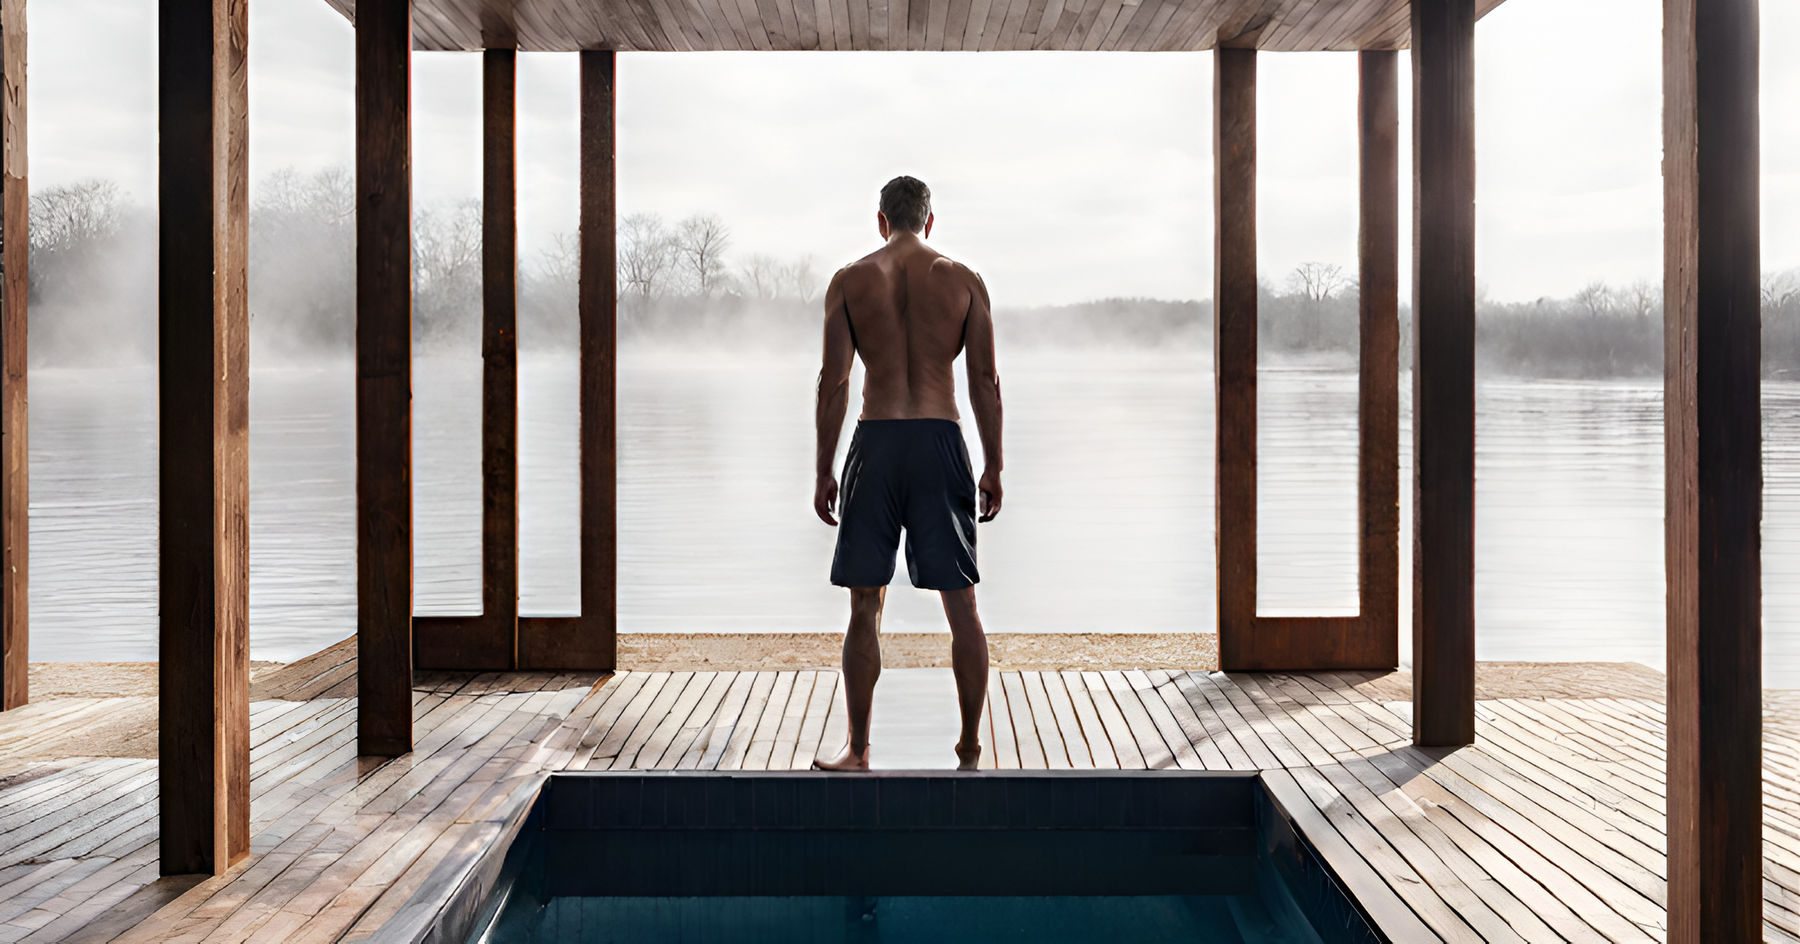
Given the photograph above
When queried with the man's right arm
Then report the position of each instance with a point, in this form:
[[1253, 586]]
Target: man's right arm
[[833, 398], [984, 392]]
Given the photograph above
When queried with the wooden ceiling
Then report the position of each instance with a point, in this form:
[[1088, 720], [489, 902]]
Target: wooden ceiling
[[1114, 25]]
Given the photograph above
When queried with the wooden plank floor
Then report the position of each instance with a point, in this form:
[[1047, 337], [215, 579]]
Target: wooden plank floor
[[1550, 828]]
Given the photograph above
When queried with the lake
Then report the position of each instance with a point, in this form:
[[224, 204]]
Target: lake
[[1107, 526]]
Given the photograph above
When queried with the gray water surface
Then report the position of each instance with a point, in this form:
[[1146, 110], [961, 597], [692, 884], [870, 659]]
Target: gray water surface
[[1107, 524]]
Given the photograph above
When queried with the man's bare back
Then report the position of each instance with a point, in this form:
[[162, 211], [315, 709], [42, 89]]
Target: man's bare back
[[908, 311]]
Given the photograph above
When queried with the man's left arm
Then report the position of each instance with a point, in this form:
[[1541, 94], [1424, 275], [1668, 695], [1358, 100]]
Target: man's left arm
[[984, 393], [833, 399]]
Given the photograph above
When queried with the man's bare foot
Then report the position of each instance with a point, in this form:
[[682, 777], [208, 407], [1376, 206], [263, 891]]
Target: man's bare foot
[[845, 761], [968, 759]]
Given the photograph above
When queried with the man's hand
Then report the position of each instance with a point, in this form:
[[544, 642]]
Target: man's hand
[[990, 494], [825, 496]]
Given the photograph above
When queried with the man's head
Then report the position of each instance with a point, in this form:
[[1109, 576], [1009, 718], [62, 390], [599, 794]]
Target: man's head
[[906, 204]]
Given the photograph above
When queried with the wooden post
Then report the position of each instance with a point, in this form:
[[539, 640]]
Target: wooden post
[[1368, 640], [1378, 308], [1234, 347], [490, 641], [590, 641], [384, 377], [15, 242], [1443, 74], [204, 392], [1713, 457]]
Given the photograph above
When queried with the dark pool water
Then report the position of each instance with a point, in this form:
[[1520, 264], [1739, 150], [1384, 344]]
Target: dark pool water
[[909, 919]]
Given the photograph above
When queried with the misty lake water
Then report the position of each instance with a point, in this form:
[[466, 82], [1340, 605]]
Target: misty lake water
[[1108, 523]]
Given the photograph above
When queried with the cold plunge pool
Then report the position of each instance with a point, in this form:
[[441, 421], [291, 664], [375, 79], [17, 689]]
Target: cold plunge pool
[[1064, 856]]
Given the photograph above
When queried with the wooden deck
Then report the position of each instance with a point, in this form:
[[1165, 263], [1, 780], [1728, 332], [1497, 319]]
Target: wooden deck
[[1550, 828]]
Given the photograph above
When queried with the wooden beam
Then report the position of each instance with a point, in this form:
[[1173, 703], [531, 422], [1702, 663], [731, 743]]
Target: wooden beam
[[1443, 74], [1713, 457], [1234, 349], [384, 376], [204, 427], [591, 641], [1378, 310], [490, 641], [15, 454]]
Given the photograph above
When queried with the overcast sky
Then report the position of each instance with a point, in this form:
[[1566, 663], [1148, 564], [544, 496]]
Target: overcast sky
[[1062, 176]]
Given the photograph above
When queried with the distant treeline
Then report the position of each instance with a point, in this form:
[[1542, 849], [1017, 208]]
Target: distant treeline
[[93, 294]]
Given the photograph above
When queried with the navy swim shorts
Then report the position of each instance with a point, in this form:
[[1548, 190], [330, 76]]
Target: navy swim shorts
[[911, 474]]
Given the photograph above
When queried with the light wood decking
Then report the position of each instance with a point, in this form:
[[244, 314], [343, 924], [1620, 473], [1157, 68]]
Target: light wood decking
[[1550, 828]]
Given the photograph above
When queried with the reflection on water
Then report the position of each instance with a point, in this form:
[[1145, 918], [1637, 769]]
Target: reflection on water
[[1108, 521]]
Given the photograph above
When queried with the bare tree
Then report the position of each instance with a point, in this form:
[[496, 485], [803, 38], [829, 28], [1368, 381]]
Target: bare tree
[[1644, 297], [701, 241], [303, 262], [1779, 288], [761, 276], [1318, 281], [447, 270], [67, 216], [797, 279], [1595, 299], [646, 254]]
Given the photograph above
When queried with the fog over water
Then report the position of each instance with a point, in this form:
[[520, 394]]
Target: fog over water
[[1107, 526]]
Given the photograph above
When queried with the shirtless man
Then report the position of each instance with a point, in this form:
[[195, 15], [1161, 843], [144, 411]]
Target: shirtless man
[[909, 311]]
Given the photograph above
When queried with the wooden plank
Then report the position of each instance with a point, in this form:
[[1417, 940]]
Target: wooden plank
[[1396, 870], [1713, 468], [787, 736], [666, 723], [624, 688], [762, 742], [655, 714], [1188, 756], [1207, 699], [1024, 725], [1201, 727], [1044, 722], [1074, 738], [1094, 737], [1112, 720], [15, 454], [708, 748], [1443, 68], [204, 436], [690, 742], [1141, 729], [607, 749], [812, 727], [1006, 743], [384, 376], [1289, 731], [744, 729]]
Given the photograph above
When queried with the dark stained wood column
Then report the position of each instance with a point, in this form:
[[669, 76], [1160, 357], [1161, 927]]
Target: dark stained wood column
[[384, 555], [1443, 75], [15, 242], [490, 641], [1234, 348], [590, 641], [1378, 255], [1713, 456], [204, 454]]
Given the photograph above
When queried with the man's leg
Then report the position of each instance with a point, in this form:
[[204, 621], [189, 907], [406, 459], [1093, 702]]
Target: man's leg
[[969, 657], [862, 667]]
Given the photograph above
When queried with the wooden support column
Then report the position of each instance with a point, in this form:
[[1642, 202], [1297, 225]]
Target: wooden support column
[[1713, 457], [489, 641], [1234, 350], [1378, 310], [1443, 75], [204, 455], [384, 556], [15, 242], [1370, 638], [590, 641]]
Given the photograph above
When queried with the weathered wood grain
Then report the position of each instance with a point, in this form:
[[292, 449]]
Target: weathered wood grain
[[15, 452], [203, 435]]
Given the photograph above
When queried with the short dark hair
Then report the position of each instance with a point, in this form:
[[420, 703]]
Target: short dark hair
[[906, 202]]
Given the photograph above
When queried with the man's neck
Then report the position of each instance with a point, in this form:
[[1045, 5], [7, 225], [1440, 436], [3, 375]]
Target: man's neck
[[900, 238]]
